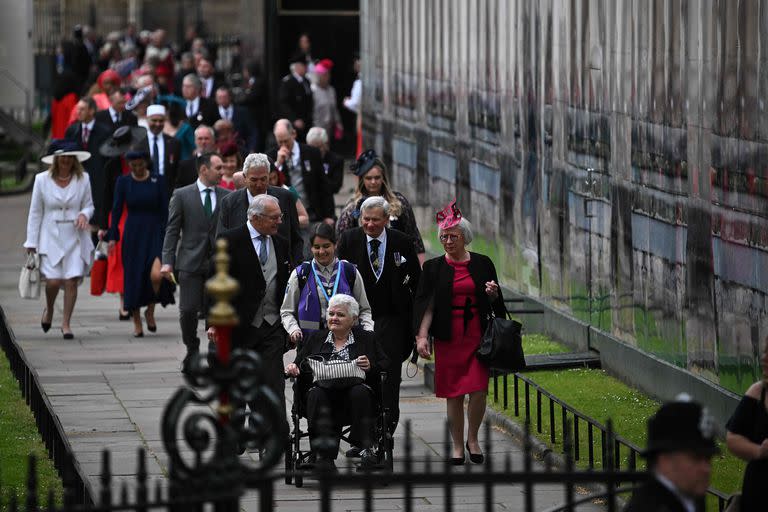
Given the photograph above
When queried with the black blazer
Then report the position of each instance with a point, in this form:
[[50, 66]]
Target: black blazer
[[127, 118], [654, 496], [321, 203], [244, 266], [436, 288], [366, 343], [295, 100], [234, 210], [94, 166], [207, 113], [392, 295], [172, 159], [333, 165], [244, 126]]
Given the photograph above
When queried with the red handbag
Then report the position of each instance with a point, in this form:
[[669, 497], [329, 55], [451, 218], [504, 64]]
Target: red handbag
[[99, 270]]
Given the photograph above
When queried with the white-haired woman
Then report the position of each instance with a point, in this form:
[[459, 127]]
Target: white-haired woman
[[457, 292], [346, 341], [57, 227]]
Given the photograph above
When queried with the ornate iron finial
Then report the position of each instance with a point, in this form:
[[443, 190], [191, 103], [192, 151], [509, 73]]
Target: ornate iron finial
[[222, 287]]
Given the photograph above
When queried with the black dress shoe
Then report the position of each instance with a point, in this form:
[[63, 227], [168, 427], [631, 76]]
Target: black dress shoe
[[353, 453], [475, 458]]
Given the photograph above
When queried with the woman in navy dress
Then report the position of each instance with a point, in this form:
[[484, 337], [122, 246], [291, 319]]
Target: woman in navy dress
[[146, 198]]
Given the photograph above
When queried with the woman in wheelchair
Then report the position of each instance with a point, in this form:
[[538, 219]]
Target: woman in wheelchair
[[353, 403]]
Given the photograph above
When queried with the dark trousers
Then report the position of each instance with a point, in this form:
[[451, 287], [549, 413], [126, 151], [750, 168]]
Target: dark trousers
[[348, 406], [191, 303], [269, 342], [396, 342]]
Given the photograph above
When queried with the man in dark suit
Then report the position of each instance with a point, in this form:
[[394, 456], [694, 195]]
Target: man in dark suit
[[238, 116], [259, 261], [303, 169], [295, 96], [163, 149], [387, 261], [234, 207], [205, 142], [199, 110], [209, 82], [333, 164], [189, 243], [681, 444], [116, 116], [91, 135]]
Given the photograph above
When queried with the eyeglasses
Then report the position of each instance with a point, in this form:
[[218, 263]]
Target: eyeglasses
[[273, 218], [447, 236]]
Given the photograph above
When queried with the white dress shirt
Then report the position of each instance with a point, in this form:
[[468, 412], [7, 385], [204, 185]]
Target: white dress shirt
[[113, 115], [193, 106], [382, 250], [201, 187], [160, 150], [226, 113], [207, 86], [255, 238]]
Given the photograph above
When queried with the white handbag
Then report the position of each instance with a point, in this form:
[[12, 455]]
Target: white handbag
[[335, 373], [29, 280]]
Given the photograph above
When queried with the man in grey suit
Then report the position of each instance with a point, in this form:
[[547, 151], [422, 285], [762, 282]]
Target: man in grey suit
[[234, 207], [193, 213]]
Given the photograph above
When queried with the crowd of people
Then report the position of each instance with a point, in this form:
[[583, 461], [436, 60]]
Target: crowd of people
[[158, 159]]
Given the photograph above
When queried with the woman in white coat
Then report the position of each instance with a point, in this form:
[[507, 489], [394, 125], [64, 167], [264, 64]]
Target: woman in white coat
[[57, 227]]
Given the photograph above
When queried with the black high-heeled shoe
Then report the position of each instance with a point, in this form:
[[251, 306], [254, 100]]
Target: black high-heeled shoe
[[150, 327], [123, 317], [457, 461], [45, 325], [67, 335], [475, 458]]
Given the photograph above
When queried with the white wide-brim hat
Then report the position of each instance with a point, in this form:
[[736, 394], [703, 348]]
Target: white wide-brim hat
[[63, 147]]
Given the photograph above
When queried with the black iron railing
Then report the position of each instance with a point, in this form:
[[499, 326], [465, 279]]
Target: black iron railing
[[564, 420], [141, 494]]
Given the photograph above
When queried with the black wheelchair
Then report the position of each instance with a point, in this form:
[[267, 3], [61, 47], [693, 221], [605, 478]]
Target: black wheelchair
[[301, 462]]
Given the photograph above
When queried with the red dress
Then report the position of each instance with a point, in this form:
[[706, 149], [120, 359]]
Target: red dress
[[457, 370], [115, 272]]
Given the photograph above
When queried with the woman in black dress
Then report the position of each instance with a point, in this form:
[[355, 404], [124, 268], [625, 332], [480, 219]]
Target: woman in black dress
[[146, 198], [372, 181], [747, 438]]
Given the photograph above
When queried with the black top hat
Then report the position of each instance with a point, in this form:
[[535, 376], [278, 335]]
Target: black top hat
[[123, 139], [681, 426], [364, 162]]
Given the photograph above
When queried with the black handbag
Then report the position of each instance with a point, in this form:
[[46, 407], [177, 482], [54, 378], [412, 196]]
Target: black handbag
[[502, 345]]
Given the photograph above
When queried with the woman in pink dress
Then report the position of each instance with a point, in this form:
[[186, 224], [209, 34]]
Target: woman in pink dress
[[457, 292]]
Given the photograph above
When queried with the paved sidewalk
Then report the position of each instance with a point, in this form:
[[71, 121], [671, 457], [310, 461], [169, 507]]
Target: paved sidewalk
[[109, 389]]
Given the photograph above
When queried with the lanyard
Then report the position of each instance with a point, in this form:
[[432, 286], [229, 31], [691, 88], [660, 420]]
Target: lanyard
[[320, 283]]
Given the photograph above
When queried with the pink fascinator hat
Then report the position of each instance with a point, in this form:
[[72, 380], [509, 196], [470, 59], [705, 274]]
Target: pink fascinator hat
[[449, 216]]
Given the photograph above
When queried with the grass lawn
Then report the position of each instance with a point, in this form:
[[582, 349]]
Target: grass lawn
[[600, 396], [18, 438]]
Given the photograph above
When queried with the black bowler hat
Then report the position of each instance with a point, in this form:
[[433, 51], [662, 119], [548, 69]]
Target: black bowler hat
[[364, 162], [681, 426]]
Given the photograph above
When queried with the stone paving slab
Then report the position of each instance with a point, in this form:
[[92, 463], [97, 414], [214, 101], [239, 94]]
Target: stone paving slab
[[109, 389]]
